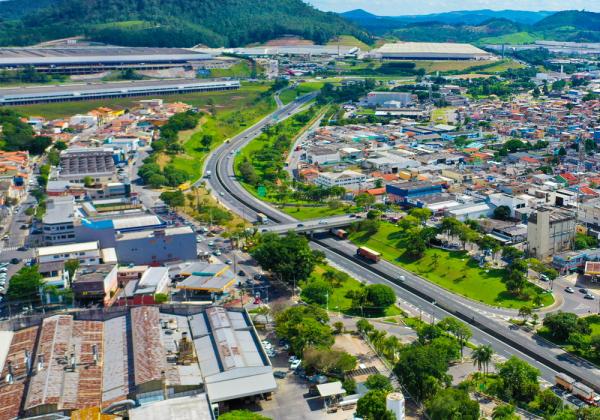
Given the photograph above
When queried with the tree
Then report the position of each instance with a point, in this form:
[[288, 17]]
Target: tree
[[510, 253], [547, 402], [25, 284], [372, 406], [502, 213], [378, 382], [71, 266], [525, 312], [452, 404], [316, 292], [561, 325], [88, 181], [374, 298], [327, 360], [420, 213], [482, 356], [364, 200], [161, 297], [422, 370], [518, 381], [338, 327], [304, 326], [459, 329], [349, 386], [363, 326], [288, 257], [206, 141], [504, 412]]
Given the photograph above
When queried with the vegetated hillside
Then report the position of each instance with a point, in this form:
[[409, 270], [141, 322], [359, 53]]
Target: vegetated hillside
[[485, 26], [382, 24], [443, 32], [177, 22], [13, 9]]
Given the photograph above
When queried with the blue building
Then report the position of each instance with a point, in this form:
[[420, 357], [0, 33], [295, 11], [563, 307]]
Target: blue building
[[409, 191]]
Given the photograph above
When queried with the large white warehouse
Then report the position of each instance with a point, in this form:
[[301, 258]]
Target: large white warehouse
[[431, 51]]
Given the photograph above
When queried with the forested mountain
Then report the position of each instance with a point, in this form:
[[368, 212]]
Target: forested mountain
[[176, 22], [12, 9], [507, 26], [381, 24]]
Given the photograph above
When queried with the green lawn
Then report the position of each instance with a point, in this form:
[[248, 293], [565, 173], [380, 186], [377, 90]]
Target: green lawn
[[454, 270], [223, 101], [303, 88], [594, 323], [349, 41], [241, 69], [307, 213], [337, 300]]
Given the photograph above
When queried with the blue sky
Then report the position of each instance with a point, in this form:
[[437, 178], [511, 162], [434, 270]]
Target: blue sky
[[409, 7]]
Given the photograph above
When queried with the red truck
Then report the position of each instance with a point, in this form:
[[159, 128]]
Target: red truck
[[340, 233], [368, 254]]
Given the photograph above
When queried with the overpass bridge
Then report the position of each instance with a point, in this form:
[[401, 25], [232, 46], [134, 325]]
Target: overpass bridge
[[311, 226]]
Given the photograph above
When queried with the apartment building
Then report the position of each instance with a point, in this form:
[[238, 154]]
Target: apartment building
[[350, 180]]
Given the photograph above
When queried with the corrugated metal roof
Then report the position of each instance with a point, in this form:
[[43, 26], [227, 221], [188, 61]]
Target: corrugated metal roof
[[149, 357]]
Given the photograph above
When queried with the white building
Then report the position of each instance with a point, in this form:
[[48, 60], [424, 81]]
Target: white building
[[515, 204], [350, 180], [85, 120], [87, 253], [394, 402], [378, 99], [323, 155]]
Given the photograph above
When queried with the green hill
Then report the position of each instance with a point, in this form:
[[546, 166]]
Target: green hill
[[444, 32], [180, 23]]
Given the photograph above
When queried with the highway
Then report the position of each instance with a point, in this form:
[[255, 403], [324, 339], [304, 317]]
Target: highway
[[488, 324]]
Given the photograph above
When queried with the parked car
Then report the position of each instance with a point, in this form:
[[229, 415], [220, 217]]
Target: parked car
[[296, 364], [584, 290], [15, 260], [292, 359], [569, 290], [280, 374], [589, 296]]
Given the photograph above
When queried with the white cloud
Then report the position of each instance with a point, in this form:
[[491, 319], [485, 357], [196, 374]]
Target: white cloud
[[407, 7]]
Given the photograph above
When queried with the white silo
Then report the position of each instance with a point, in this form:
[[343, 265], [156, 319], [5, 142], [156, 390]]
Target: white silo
[[395, 403]]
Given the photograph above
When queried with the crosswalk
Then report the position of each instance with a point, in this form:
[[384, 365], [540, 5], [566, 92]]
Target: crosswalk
[[8, 248]]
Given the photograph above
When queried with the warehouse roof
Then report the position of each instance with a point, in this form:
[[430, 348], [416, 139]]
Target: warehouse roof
[[194, 407], [80, 55], [430, 47]]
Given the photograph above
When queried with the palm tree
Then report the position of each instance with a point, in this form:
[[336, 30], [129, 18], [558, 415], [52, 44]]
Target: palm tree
[[390, 347], [482, 356], [377, 337], [328, 276]]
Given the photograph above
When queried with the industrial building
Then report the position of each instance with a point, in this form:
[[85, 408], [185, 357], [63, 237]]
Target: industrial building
[[550, 231], [296, 50], [83, 60], [77, 92], [430, 51], [132, 357], [156, 246]]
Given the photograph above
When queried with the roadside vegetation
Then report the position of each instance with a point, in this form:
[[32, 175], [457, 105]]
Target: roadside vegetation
[[580, 336], [331, 288], [411, 246]]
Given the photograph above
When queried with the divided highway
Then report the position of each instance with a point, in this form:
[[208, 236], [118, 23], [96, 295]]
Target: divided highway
[[488, 324]]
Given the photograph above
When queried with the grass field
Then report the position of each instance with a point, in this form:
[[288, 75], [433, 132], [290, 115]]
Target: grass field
[[306, 213], [588, 354], [440, 115], [241, 69], [222, 100], [349, 41], [289, 95], [455, 270], [236, 111], [338, 302], [514, 39]]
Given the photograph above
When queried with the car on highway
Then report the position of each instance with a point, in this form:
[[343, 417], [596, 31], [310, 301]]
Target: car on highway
[[222, 194], [569, 290], [241, 273], [323, 222], [228, 262], [15, 260], [300, 225], [589, 296], [22, 248], [584, 290]]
